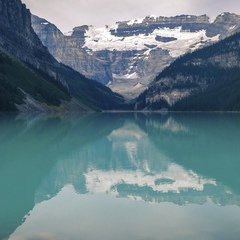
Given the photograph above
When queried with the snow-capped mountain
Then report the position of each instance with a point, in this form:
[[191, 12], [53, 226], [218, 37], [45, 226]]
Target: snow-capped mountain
[[128, 55]]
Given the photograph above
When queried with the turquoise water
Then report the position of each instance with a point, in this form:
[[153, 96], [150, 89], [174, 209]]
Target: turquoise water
[[115, 176]]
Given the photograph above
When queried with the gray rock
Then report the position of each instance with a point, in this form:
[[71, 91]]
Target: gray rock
[[18, 37], [129, 71]]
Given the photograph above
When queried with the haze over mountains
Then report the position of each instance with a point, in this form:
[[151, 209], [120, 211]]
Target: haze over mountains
[[128, 55]]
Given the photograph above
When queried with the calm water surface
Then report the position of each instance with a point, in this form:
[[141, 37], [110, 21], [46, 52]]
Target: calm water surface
[[120, 176]]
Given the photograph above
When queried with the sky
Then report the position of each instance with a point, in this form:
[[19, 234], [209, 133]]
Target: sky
[[67, 14]]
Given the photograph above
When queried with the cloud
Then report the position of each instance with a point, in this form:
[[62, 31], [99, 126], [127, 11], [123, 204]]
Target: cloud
[[67, 14]]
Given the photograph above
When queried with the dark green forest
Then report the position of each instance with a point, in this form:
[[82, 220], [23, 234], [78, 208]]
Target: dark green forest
[[90, 92], [216, 87], [17, 77]]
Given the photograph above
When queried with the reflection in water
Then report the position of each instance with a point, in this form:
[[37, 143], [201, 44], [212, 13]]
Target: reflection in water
[[179, 158], [174, 179]]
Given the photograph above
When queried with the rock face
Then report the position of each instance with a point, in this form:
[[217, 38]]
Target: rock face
[[127, 56], [18, 37], [205, 80], [20, 44]]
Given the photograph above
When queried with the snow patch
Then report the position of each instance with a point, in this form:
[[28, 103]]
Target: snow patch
[[131, 76], [126, 76], [99, 39]]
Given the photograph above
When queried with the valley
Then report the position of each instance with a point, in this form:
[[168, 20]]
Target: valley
[[180, 63], [128, 56]]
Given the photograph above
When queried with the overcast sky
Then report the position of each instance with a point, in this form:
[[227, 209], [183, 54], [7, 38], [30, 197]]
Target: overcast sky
[[67, 14]]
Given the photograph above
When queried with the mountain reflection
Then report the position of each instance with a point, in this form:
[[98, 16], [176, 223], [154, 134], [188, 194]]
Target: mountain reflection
[[138, 161], [178, 158]]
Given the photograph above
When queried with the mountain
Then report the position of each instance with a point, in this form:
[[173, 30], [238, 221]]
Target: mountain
[[128, 55], [32, 79], [205, 80], [25, 88]]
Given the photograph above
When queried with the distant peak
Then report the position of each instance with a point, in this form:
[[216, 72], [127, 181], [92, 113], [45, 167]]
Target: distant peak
[[227, 17], [227, 14]]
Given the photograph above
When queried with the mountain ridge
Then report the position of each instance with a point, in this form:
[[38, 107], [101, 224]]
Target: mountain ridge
[[22, 48], [205, 80], [128, 55]]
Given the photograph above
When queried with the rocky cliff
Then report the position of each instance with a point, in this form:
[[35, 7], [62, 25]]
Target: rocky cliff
[[205, 80], [127, 56], [19, 39], [31, 76]]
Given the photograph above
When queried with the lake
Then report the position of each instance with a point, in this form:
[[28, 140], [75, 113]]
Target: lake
[[117, 176]]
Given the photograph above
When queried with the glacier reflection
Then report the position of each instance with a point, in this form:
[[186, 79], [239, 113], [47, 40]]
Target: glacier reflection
[[183, 159], [128, 163]]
